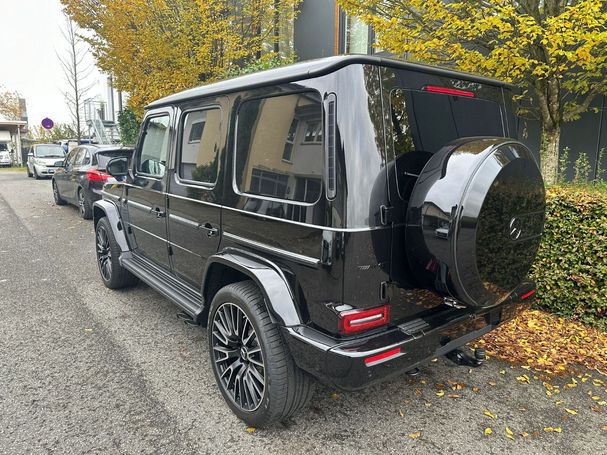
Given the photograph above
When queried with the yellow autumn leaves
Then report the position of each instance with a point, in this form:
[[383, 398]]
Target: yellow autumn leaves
[[157, 47]]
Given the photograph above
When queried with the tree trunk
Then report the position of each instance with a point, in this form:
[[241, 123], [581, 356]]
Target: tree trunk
[[549, 153]]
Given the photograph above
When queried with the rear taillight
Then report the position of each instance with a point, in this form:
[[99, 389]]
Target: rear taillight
[[354, 321], [528, 294], [448, 91], [93, 175]]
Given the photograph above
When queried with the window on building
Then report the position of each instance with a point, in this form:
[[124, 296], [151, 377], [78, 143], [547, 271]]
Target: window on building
[[278, 143], [198, 161], [288, 151], [356, 36]]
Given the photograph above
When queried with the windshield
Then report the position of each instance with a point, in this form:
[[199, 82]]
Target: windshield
[[49, 151], [104, 157], [3, 147]]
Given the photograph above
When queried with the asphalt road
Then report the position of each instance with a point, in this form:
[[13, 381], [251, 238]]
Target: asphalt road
[[87, 370]]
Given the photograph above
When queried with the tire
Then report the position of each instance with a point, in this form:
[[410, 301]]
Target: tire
[[29, 174], [56, 195], [35, 174], [107, 252], [85, 207], [285, 388]]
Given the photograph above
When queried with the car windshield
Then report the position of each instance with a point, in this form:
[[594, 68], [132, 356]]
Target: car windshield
[[49, 151], [104, 157], [3, 147]]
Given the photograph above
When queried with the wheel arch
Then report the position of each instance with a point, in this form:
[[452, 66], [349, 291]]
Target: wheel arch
[[233, 265], [107, 209]]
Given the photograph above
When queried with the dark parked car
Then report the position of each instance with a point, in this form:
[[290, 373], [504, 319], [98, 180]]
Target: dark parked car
[[80, 178], [346, 219]]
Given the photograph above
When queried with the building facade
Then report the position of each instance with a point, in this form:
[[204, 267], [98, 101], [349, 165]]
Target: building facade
[[322, 29]]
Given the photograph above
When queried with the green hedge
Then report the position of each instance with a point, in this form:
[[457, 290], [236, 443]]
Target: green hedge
[[571, 266]]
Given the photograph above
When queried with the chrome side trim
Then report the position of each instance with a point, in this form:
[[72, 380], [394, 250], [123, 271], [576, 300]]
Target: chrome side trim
[[299, 258], [139, 206]]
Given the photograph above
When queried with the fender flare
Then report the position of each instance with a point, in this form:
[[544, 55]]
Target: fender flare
[[108, 209], [269, 278]]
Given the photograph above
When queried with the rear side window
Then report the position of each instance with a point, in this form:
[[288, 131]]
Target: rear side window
[[279, 147], [104, 157], [424, 121], [201, 136], [152, 160]]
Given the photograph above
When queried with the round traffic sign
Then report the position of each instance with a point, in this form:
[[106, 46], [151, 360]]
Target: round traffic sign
[[47, 123]]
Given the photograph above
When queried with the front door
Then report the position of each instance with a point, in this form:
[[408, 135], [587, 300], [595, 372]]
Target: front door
[[145, 192], [194, 193]]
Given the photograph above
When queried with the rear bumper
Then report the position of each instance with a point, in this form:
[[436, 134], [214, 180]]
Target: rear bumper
[[342, 363]]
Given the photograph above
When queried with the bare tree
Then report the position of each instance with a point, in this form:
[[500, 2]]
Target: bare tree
[[77, 72]]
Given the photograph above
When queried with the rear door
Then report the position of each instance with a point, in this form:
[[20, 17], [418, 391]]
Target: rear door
[[194, 199], [146, 191]]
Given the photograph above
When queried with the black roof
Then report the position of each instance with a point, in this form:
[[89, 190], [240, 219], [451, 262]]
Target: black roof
[[310, 69]]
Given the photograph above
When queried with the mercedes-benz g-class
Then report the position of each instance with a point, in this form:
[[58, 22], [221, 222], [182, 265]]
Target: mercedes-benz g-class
[[345, 219]]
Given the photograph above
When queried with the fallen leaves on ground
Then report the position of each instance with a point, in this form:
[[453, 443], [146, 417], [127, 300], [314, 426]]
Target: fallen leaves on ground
[[415, 435], [488, 431], [548, 343], [553, 430], [488, 414], [250, 430]]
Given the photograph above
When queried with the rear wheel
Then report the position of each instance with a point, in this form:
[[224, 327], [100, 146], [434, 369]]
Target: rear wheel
[[84, 205], [113, 275], [251, 362], [57, 196]]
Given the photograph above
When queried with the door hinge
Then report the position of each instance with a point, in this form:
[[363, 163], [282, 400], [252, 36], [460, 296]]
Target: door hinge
[[385, 215]]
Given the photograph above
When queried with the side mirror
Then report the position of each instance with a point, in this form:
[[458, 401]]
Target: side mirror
[[118, 167], [30, 154], [60, 163]]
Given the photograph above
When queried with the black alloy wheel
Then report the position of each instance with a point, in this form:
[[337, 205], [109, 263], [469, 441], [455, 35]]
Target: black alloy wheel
[[104, 253], [107, 251], [251, 361], [238, 357], [84, 205]]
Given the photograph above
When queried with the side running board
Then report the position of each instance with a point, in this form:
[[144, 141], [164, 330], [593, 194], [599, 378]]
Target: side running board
[[185, 296]]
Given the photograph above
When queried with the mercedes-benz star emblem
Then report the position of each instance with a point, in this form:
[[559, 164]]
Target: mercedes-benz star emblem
[[515, 228]]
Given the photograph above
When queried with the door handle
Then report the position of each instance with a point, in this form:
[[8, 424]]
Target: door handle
[[211, 231], [159, 213]]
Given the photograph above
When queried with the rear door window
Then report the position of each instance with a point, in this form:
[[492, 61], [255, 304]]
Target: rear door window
[[201, 138], [279, 147]]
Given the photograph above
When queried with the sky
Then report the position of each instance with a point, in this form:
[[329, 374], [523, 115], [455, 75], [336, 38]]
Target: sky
[[30, 39]]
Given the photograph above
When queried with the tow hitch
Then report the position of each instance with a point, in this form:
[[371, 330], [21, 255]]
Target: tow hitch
[[459, 357]]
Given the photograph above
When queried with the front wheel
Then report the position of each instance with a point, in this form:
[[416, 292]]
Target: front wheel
[[58, 199], [113, 275], [35, 173], [251, 362]]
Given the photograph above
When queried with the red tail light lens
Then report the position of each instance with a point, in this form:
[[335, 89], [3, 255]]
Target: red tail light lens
[[354, 321], [448, 91], [528, 294], [93, 175]]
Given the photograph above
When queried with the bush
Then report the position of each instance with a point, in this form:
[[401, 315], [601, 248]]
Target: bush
[[571, 266], [129, 126]]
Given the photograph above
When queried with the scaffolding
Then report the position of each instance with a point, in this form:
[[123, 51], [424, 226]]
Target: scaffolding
[[103, 129]]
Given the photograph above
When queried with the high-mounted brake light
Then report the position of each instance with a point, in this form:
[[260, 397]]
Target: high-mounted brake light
[[354, 321], [383, 357], [528, 294], [93, 175], [448, 91]]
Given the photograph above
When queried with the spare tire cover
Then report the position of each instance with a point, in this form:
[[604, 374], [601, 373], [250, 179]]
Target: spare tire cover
[[475, 220]]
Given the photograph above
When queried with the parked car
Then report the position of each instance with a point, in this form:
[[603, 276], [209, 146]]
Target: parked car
[[80, 178], [346, 219], [43, 160], [5, 156]]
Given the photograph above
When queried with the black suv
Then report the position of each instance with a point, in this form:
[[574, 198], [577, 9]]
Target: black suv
[[346, 219]]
